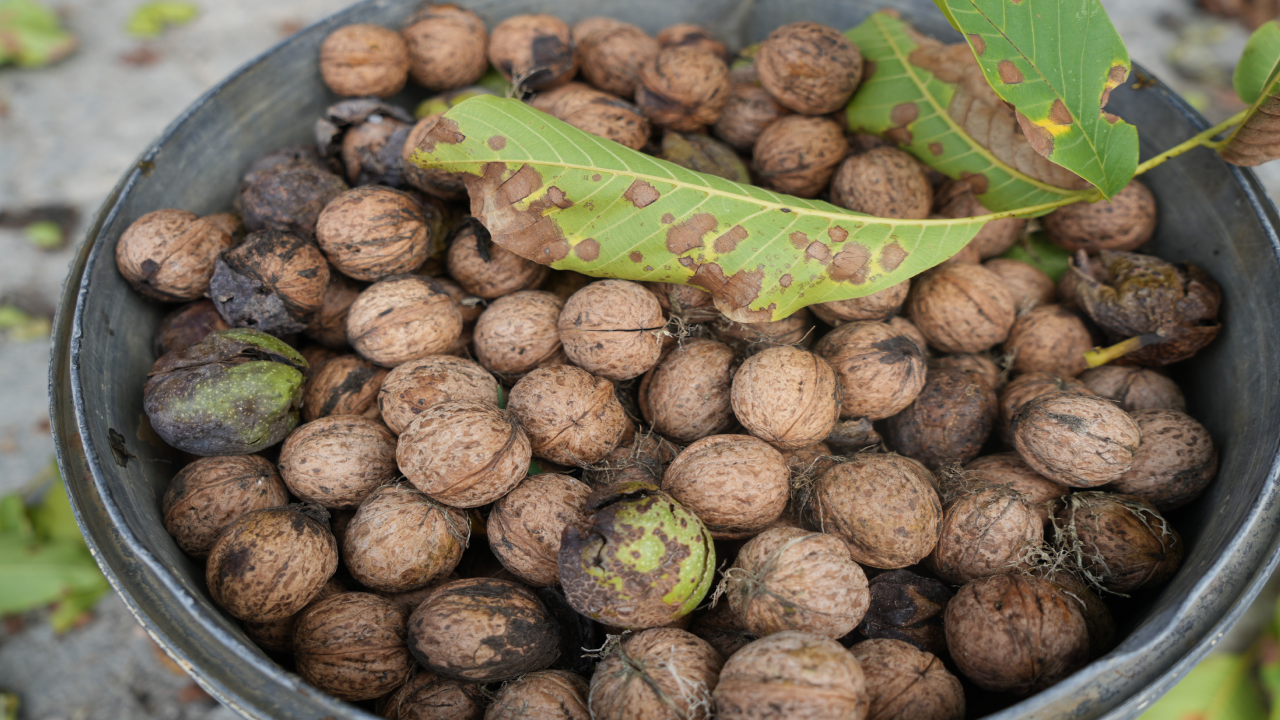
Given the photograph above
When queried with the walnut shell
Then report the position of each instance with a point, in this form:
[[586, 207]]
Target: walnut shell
[[736, 484], [884, 506], [683, 88], [464, 453], [656, 674], [722, 629], [909, 329], [981, 364], [611, 328], [1098, 620], [273, 282], [748, 112], [950, 419], [1028, 284], [486, 269], [572, 417], [1135, 388], [996, 237], [469, 305], [880, 306], [328, 325], [519, 333], [1120, 540], [612, 56], [792, 330], [448, 47], [1124, 223], [1015, 634], [187, 326], [788, 397], [907, 607], [809, 68], [277, 635], [810, 462], [596, 112], [907, 684], [427, 696], [417, 385], [1049, 338], [433, 181], [985, 531], [644, 459], [317, 357], [884, 182], [246, 567], [359, 60], [542, 695], [798, 154], [1175, 462], [881, 370], [169, 254], [345, 385], [371, 147], [524, 527], [210, 493], [352, 646], [372, 232], [535, 52], [792, 674], [961, 308], [484, 630], [401, 540], [1007, 469], [793, 579], [686, 397], [1025, 388], [286, 191], [337, 461], [403, 318], [689, 303], [691, 35], [1078, 440]]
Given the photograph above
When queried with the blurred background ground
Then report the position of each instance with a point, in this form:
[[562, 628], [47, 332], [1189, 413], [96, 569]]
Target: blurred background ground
[[67, 134]]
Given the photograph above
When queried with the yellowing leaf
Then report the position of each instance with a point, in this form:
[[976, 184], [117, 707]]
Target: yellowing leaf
[[151, 19], [31, 35], [1219, 688], [1257, 82]]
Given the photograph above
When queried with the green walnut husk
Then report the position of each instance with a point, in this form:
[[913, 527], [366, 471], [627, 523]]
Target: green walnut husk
[[234, 393], [643, 561]]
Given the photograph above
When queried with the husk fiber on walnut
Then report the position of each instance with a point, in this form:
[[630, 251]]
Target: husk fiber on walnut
[[657, 674]]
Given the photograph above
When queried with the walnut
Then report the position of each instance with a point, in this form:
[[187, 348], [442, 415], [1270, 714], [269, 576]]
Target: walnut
[[1097, 616], [535, 52], [402, 318], [1175, 462], [792, 330], [337, 461], [345, 385], [1028, 284], [907, 607], [612, 56], [1135, 388], [661, 673], [880, 305], [447, 45], [795, 675], [908, 328], [961, 308], [1121, 542], [427, 696], [611, 328], [169, 254], [372, 232], [1078, 440], [950, 419], [524, 527], [1027, 387], [683, 88], [996, 237], [273, 282], [786, 396], [986, 530], [519, 333], [736, 484], [1123, 223], [690, 35], [1049, 338], [596, 112], [686, 397], [286, 190], [486, 269], [884, 182], [980, 364], [748, 112], [402, 540], [210, 493], [809, 68], [1009, 470], [881, 370], [572, 416], [542, 695], [418, 385], [352, 646], [433, 181], [464, 453], [187, 326], [689, 303], [359, 60], [328, 325], [904, 682], [722, 629], [798, 154]]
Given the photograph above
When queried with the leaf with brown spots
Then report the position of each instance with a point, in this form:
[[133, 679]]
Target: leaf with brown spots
[[1057, 63], [1257, 80], [575, 201]]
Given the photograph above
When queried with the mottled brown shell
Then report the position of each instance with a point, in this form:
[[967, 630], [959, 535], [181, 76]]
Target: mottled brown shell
[[403, 318], [612, 56], [359, 60], [277, 635], [542, 695], [689, 303], [656, 674], [884, 182], [534, 51], [881, 370], [1121, 540], [469, 305], [433, 181], [1135, 388], [996, 237], [798, 154], [1123, 223], [268, 564], [338, 460], [427, 696], [736, 484], [907, 684], [793, 579], [417, 385], [372, 232], [187, 326], [691, 35], [748, 112], [352, 646], [289, 194], [596, 112], [370, 149], [907, 607], [169, 254], [908, 328], [1027, 387], [483, 630], [1007, 469], [809, 68], [879, 306], [1049, 338], [722, 629], [1097, 616], [464, 453], [572, 417], [985, 531], [448, 47], [786, 396], [683, 88], [884, 506], [794, 675], [980, 364], [210, 493], [519, 333], [644, 459], [328, 325], [1028, 284], [524, 527], [1175, 462], [345, 385], [488, 270], [273, 282], [796, 329], [401, 540], [1015, 634], [950, 419], [961, 308], [611, 328], [1078, 440]]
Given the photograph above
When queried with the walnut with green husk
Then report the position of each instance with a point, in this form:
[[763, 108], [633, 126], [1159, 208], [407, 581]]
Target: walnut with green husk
[[345, 385], [661, 673], [907, 684], [169, 254], [525, 525], [571, 416], [736, 484], [352, 646], [795, 675], [402, 540], [447, 47], [338, 460], [210, 493]]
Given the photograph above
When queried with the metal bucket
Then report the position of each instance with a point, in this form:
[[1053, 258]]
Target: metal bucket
[[1211, 214]]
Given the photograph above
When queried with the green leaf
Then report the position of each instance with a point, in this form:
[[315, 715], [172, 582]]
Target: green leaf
[[8, 706], [31, 35], [933, 100], [555, 194], [13, 518], [44, 234], [35, 574], [72, 607], [946, 12], [1037, 250], [1257, 81], [21, 326], [1056, 63], [151, 19], [53, 518], [1219, 688]]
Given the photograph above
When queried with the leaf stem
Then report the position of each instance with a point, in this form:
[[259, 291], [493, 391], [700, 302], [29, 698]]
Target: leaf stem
[[1203, 139], [1101, 356]]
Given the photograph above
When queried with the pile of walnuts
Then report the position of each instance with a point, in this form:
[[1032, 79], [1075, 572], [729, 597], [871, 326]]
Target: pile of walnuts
[[439, 472]]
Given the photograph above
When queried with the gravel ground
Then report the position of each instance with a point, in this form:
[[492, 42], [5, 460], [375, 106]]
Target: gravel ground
[[68, 132]]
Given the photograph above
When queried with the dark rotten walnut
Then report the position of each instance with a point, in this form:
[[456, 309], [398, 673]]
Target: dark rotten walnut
[[273, 282]]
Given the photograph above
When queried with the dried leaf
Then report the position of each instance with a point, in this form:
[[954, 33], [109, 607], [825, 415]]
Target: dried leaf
[[1257, 82]]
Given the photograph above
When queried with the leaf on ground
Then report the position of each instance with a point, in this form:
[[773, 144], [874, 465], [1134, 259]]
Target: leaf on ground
[[44, 234], [33, 574], [1219, 688], [933, 101], [21, 326], [52, 517], [557, 195], [1257, 82], [8, 706], [31, 35], [13, 518], [151, 19], [1037, 250]]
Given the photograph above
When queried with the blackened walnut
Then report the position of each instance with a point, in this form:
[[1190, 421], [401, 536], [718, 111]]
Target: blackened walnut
[[464, 453], [612, 56], [210, 493], [1078, 440], [358, 60], [880, 369], [352, 646], [328, 325], [907, 607], [519, 333], [686, 397], [736, 484], [880, 305], [1135, 388], [169, 254], [273, 282], [401, 540], [612, 328], [809, 68], [950, 419], [884, 182], [572, 416], [525, 525], [795, 675], [417, 385], [1119, 541], [187, 326], [683, 88], [345, 385], [371, 148], [1123, 223], [448, 47], [748, 112], [535, 52], [798, 154], [402, 318], [372, 232], [339, 460], [486, 269], [907, 684], [787, 396], [961, 308], [1175, 462], [286, 192], [1049, 338], [661, 673]]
